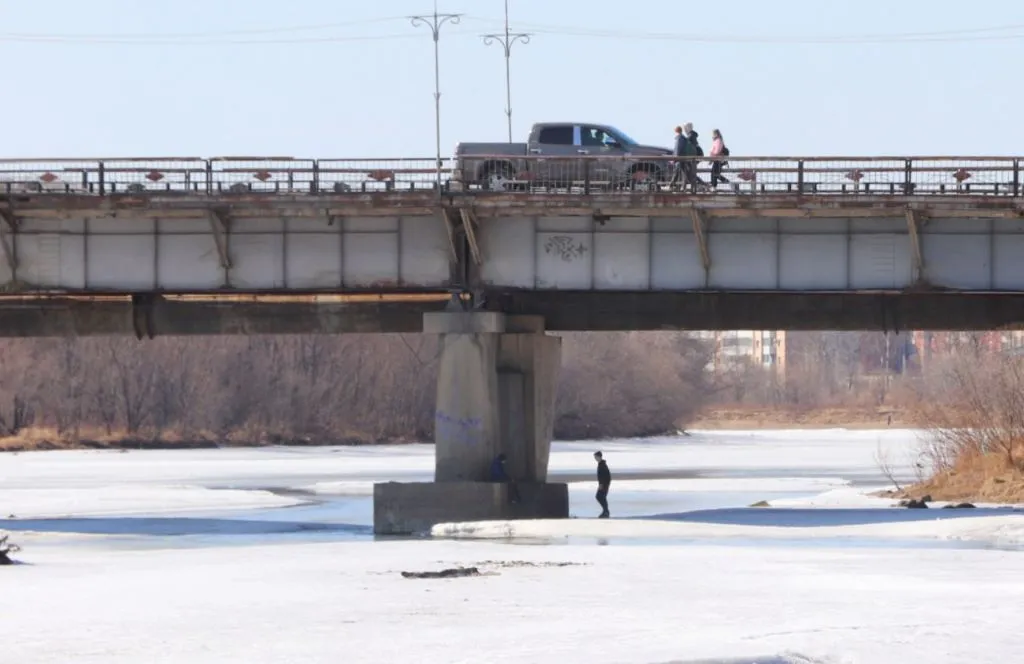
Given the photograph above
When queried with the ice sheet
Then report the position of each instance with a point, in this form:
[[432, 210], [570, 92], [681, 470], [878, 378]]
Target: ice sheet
[[348, 602]]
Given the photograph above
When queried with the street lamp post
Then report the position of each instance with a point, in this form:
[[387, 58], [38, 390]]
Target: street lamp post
[[507, 40], [434, 22]]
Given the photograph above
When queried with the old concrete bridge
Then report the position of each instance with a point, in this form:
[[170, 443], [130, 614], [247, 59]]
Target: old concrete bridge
[[247, 246]]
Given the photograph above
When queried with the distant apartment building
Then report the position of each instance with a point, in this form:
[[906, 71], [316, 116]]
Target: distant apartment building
[[766, 348], [867, 353], [937, 344]]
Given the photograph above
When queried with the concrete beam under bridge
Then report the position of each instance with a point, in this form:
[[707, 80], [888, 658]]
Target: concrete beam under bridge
[[150, 316], [765, 310]]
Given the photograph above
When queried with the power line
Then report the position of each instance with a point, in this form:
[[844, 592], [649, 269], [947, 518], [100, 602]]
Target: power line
[[209, 42], [215, 33], [976, 34], [982, 34], [775, 42], [579, 34], [218, 37]]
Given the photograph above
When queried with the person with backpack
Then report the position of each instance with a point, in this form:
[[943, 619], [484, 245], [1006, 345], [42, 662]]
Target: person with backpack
[[693, 149], [718, 150]]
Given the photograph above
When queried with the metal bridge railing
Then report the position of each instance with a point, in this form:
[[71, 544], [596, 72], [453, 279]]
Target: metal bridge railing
[[998, 176], [552, 174], [222, 175]]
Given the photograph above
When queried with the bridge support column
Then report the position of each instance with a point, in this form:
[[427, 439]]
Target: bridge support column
[[495, 393]]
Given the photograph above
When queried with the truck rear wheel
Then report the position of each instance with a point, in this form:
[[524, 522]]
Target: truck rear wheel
[[644, 177], [498, 177]]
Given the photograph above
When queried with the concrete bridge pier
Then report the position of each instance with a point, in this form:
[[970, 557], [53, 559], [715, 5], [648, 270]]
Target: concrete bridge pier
[[495, 393]]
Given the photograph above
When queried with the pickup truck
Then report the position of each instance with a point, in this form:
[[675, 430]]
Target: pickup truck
[[556, 154]]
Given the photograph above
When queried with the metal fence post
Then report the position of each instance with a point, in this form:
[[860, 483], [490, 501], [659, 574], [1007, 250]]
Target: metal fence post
[[1016, 177], [315, 185], [209, 176], [101, 174], [800, 177], [908, 177]]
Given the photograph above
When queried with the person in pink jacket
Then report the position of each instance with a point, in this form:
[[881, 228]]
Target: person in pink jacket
[[718, 149]]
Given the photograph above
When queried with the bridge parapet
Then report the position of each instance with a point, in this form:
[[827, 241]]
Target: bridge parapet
[[576, 175]]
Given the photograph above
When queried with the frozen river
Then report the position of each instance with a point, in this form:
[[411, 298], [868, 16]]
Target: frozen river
[[267, 555]]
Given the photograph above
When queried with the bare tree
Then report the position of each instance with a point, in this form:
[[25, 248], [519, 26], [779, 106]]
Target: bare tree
[[134, 381]]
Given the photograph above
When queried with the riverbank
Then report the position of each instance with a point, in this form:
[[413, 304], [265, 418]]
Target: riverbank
[[712, 419], [755, 418], [43, 438], [988, 481]]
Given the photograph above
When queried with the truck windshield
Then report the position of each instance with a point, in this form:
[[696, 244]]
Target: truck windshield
[[623, 137]]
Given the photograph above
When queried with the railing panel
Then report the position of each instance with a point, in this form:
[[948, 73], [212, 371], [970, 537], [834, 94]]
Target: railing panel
[[369, 175]]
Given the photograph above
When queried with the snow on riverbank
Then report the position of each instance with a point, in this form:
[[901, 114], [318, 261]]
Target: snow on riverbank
[[95, 482], [1003, 530], [709, 484], [840, 498], [696, 485], [779, 451], [123, 500], [323, 603]]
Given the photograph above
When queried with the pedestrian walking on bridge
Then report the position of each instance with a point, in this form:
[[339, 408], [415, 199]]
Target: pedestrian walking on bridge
[[718, 149], [604, 480]]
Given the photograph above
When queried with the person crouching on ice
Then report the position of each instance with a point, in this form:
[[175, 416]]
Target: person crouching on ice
[[499, 473]]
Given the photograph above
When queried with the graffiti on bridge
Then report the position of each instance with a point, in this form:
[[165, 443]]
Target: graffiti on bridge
[[466, 430], [565, 248]]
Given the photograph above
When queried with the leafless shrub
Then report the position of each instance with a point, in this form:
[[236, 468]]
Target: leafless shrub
[[314, 389], [884, 464], [6, 548], [624, 385], [974, 407]]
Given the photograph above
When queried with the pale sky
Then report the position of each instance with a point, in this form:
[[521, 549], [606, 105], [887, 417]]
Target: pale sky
[[785, 77]]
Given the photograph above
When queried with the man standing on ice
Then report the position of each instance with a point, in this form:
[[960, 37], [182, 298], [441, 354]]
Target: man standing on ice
[[604, 480]]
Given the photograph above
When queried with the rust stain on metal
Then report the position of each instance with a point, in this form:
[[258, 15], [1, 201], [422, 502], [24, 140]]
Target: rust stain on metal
[[367, 297], [192, 205], [381, 175]]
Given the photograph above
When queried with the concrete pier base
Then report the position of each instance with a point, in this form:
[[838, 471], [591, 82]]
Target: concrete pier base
[[410, 508], [495, 394]]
